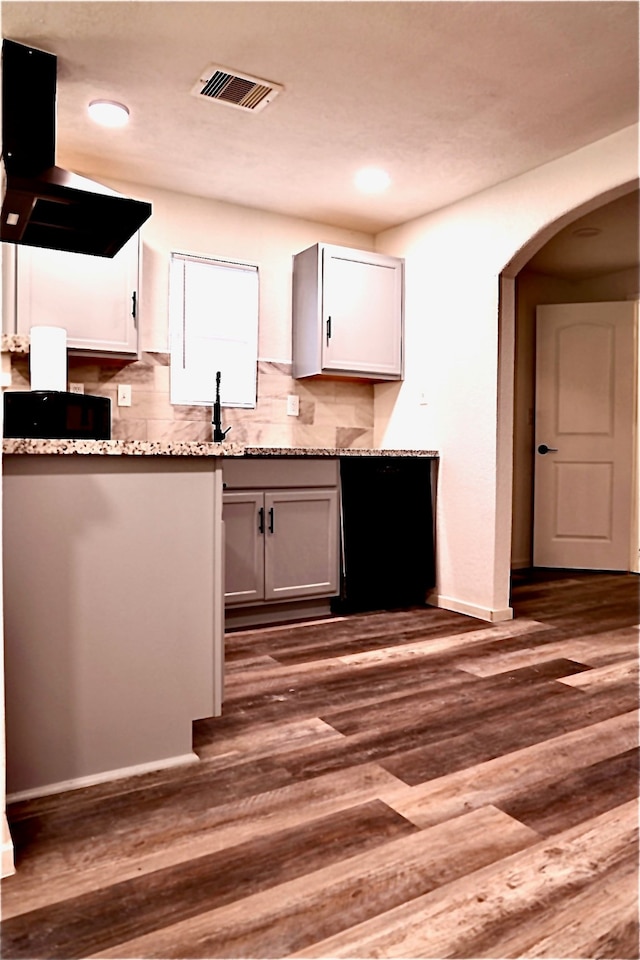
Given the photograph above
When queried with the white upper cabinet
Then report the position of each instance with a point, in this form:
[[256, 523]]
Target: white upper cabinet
[[347, 314], [94, 298]]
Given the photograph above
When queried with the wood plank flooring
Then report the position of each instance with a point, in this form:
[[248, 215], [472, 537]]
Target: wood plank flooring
[[407, 783]]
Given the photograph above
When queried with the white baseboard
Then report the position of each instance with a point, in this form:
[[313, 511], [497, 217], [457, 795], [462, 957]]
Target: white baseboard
[[7, 865], [90, 781], [470, 609]]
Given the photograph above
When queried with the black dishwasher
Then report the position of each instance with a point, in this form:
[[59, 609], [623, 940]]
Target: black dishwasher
[[387, 533]]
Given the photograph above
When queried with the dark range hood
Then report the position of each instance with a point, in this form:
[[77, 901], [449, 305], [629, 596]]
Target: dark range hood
[[44, 205]]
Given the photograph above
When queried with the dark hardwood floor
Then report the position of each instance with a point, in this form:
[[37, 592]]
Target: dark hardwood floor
[[411, 783]]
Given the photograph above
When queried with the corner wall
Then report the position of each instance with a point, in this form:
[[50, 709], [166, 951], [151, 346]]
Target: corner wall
[[453, 338]]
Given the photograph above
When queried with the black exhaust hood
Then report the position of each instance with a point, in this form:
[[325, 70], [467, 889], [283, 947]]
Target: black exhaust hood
[[44, 205]]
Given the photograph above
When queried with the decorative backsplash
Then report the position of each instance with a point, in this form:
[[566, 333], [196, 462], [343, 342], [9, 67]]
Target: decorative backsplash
[[333, 413]]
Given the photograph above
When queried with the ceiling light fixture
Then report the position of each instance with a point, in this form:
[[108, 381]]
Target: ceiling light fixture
[[587, 232], [372, 180], [109, 113]]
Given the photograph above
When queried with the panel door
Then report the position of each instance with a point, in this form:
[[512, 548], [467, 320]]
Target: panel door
[[93, 298], [585, 371], [301, 544], [362, 312], [243, 517]]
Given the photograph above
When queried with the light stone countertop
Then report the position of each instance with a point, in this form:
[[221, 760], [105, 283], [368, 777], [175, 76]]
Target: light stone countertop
[[14, 343], [183, 448], [250, 451], [122, 448]]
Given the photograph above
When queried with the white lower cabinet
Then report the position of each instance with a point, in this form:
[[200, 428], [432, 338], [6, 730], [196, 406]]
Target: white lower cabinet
[[113, 614], [243, 518], [280, 545], [281, 524]]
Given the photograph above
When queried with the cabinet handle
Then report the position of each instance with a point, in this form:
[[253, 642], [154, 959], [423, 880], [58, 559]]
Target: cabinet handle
[[261, 520], [134, 304], [270, 519], [328, 330]]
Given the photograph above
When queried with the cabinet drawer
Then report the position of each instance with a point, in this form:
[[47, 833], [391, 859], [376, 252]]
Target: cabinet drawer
[[270, 472]]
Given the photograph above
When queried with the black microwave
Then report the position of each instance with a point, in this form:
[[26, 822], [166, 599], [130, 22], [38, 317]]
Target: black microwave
[[56, 415]]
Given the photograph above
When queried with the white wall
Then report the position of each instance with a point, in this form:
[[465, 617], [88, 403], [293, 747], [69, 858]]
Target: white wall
[[6, 845], [196, 225], [454, 259]]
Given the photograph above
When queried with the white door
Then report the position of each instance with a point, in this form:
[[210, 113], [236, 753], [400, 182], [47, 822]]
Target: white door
[[585, 374]]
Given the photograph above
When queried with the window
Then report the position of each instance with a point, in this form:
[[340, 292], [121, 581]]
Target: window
[[213, 323]]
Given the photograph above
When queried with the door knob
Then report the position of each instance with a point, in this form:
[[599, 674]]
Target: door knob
[[543, 448]]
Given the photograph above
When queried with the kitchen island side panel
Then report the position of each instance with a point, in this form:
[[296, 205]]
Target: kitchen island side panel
[[113, 612]]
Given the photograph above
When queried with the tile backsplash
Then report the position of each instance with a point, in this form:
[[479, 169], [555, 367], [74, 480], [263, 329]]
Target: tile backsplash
[[332, 413]]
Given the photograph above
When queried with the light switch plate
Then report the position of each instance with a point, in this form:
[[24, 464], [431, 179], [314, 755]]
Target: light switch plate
[[124, 394], [293, 405]]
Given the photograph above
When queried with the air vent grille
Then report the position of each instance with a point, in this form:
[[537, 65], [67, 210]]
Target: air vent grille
[[235, 89]]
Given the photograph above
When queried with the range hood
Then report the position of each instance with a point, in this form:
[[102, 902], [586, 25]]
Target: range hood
[[44, 205]]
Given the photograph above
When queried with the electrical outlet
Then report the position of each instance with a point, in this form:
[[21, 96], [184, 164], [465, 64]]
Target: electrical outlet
[[76, 388], [124, 394], [293, 405]]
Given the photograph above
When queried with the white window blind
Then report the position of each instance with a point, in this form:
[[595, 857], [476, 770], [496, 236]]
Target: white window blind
[[213, 322]]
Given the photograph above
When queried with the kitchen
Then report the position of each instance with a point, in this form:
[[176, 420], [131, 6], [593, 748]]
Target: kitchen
[[164, 515], [478, 237]]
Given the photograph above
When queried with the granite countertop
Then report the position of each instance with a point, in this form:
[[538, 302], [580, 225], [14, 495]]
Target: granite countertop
[[123, 448], [14, 343], [250, 451], [183, 448]]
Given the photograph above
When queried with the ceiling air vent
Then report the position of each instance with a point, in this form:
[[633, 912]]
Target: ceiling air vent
[[235, 89]]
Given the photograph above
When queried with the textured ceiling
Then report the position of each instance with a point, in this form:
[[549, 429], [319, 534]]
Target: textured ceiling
[[604, 241], [450, 97]]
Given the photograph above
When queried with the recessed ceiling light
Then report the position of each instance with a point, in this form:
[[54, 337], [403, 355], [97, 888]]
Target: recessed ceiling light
[[109, 113], [372, 180], [587, 232]]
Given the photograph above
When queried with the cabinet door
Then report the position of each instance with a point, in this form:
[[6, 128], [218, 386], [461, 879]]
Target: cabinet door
[[362, 312], [243, 517], [301, 544], [93, 298]]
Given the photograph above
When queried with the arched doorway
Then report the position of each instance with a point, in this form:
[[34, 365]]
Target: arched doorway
[[570, 262]]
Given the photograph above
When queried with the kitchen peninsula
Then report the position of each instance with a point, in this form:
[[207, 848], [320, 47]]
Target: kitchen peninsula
[[113, 606], [114, 602]]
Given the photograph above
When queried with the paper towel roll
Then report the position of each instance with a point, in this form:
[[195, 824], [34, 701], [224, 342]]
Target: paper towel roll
[[48, 358]]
